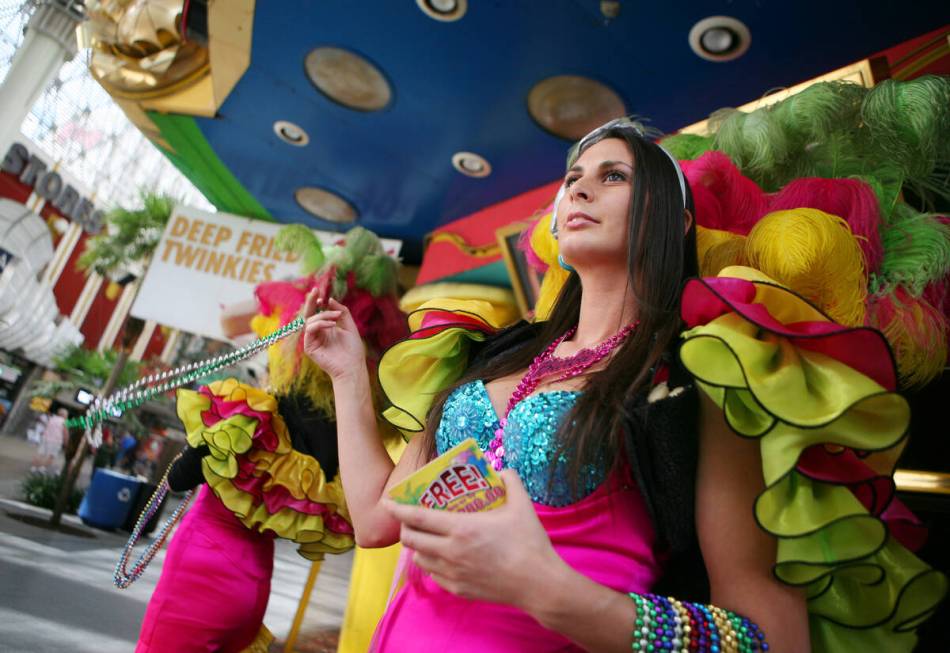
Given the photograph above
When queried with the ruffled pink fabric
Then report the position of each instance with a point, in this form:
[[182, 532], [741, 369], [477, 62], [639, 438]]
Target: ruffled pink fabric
[[222, 408], [278, 497], [861, 348], [875, 491]]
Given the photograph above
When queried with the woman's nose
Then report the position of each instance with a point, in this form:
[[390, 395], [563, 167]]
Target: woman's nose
[[580, 189]]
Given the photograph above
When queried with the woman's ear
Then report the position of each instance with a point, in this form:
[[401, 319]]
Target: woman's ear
[[688, 219]]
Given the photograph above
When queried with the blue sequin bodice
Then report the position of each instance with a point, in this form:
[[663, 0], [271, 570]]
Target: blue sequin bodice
[[530, 439]]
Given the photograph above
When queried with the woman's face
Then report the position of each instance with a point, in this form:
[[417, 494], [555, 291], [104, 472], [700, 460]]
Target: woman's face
[[594, 214]]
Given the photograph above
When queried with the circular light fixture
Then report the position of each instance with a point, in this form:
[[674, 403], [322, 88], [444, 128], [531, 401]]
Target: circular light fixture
[[325, 205], [348, 79], [443, 10], [720, 38], [571, 106], [291, 133], [471, 164]]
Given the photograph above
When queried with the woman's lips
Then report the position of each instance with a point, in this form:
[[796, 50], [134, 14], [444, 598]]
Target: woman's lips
[[577, 220]]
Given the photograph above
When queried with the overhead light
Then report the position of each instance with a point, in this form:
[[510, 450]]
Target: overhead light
[[325, 205], [348, 79], [720, 38], [471, 164], [610, 8], [444, 10], [571, 106], [291, 133]]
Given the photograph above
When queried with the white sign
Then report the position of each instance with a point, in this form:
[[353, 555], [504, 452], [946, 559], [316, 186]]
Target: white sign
[[206, 261]]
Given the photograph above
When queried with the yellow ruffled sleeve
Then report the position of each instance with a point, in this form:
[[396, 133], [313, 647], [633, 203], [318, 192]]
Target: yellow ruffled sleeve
[[413, 372]]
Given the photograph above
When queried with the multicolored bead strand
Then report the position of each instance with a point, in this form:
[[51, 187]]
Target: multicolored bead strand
[[123, 577], [668, 624], [136, 394], [546, 364]]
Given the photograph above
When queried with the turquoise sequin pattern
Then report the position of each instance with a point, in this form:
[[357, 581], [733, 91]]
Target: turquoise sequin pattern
[[530, 439]]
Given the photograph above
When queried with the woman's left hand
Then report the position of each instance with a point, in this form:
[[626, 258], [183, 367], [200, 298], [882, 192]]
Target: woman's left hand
[[495, 556]]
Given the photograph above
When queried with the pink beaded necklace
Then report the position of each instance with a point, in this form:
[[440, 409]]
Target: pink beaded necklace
[[547, 364]]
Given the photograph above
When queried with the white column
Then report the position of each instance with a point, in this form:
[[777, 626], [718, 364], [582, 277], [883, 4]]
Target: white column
[[86, 297], [118, 316], [144, 338], [49, 42], [171, 347], [64, 250]]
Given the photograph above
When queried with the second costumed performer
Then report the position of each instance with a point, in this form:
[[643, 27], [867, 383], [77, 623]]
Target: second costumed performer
[[266, 461], [629, 520]]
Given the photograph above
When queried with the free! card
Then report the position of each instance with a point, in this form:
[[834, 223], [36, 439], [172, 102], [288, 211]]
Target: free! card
[[460, 480]]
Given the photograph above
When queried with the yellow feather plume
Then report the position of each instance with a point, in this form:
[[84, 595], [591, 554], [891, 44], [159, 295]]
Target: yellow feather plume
[[816, 255], [545, 246], [717, 249]]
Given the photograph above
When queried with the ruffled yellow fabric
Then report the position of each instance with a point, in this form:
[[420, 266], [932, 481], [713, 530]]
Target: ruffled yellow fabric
[[413, 372], [504, 308], [302, 476], [546, 248], [309, 532], [277, 471], [865, 589]]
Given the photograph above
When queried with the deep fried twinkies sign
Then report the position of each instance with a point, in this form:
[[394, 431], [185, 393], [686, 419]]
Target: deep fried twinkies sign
[[207, 261]]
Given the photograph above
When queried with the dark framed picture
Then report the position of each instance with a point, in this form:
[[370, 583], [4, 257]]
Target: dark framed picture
[[525, 281]]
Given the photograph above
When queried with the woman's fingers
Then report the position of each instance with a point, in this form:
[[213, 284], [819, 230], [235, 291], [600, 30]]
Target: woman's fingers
[[325, 315], [319, 325], [310, 303], [423, 543], [439, 522]]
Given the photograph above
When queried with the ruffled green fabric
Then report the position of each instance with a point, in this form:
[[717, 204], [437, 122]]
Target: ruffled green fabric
[[413, 372], [866, 591]]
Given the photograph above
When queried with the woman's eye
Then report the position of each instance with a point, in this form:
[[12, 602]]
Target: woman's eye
[[615, 175], [569, 181]]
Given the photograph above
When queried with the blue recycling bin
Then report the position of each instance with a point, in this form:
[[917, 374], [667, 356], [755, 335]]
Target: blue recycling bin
[[109, 499]]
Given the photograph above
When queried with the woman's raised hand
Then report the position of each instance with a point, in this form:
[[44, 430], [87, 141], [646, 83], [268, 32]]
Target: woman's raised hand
[[331, 338]]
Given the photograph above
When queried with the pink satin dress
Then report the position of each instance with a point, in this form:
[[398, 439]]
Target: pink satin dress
[[606, 536], [214, 586]]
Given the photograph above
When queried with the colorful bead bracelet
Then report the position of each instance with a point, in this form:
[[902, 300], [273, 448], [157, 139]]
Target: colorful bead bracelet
[[668, 624]]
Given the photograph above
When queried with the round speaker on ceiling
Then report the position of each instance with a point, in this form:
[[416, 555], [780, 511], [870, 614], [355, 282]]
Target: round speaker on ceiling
[[570, 106], [348, 79], [325, 205]]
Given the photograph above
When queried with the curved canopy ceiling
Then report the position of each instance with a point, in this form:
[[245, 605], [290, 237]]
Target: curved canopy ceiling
[[463, 86]]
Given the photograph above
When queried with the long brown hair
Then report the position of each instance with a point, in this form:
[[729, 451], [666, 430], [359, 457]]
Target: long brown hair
[[659, 259]]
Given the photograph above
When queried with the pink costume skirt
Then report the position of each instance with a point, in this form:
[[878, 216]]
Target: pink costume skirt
[[607, 536], [214, 586]]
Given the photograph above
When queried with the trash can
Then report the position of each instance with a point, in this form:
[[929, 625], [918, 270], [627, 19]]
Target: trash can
[[109, 499], [146, 490]]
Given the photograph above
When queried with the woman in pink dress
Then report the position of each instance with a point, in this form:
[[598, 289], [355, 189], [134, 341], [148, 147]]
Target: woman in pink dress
[[629, 499]]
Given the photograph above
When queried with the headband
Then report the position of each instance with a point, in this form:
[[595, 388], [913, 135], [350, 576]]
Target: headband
[[620, 123]]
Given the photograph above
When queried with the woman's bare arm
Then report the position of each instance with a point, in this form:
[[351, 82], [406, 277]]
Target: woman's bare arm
[[738, 554]]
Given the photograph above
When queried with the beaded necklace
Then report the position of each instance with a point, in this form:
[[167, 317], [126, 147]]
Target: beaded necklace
[[547, 364]]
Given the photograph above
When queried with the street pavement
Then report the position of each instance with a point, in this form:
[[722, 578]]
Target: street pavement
[[56, 591]]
